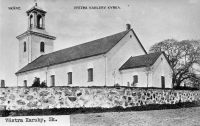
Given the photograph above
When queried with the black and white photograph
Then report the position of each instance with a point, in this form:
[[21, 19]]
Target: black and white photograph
[[100, 62]]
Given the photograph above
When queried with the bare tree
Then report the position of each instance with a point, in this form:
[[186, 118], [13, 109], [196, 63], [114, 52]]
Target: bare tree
[[181, 55]]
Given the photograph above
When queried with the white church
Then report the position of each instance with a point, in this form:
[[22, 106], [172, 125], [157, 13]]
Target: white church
[[115, 59]]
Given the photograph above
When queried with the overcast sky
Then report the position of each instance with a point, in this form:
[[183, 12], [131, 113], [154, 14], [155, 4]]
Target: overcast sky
[[152, 21]]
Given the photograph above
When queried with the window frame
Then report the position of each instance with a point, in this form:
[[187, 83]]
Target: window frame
[[42, 47], [135, 79], [39, 21], [25, 83], [69, 78], [31, 21], [24, 46], [163, 85], [52, 80], [90, 75]]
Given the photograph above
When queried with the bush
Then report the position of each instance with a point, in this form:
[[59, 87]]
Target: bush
[[116, 85], [186, 88], [36, 83], [133, 84], [43, 84]]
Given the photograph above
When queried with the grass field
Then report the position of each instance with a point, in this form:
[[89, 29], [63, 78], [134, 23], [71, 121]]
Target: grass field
[[168, 117]]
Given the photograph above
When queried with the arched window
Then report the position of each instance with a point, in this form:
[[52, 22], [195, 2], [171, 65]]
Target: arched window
[[31, 21], [90, 74], [24, 46], [25, 83], [42, 47], [52, 80], [39, 21], [69, 78]]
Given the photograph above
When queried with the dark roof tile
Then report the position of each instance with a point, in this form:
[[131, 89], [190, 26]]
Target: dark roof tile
[[93, 48], [141, 61]]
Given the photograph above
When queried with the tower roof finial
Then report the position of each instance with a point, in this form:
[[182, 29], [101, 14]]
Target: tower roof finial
[[35, 2]]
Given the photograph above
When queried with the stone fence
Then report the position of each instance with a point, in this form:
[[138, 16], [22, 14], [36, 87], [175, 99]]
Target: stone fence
[[17, 98]]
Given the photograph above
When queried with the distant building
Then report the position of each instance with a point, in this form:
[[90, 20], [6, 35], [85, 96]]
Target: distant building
[[115, 59]]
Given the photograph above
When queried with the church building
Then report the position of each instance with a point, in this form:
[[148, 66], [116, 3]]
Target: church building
[[115, 59]]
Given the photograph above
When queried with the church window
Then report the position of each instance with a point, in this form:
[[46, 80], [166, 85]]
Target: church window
[[42, 47], [90, 74], [70, 78], [39, 21], [52, 80], [25, 83], [31, 21], [24, 46], [163, 81], [135, 78]]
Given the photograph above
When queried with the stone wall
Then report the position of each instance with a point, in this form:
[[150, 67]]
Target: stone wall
[[17, 98]]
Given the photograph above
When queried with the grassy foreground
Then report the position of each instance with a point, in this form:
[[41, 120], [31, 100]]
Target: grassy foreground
[[69, 111], [167, 117]]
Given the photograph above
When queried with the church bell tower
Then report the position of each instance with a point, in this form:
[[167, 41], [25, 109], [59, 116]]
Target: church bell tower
[[36, 41]]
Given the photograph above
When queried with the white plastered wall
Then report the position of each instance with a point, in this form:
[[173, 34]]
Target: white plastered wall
[[162, 68], [143, 77], [118, 55], [158, 69], [23, 56], [36, 40], [32, 48], [79, 69]]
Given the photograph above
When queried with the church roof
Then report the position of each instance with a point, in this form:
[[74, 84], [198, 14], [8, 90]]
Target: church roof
[[85, 50], [37, 31], [36, 8], [141, 61]]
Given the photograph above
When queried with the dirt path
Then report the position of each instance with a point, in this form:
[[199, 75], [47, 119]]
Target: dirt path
[[170, 117]]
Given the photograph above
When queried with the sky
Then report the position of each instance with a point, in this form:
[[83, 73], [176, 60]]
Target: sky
[[152, 20]]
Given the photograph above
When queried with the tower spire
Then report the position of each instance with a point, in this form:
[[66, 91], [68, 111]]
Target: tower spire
[[36, 17]]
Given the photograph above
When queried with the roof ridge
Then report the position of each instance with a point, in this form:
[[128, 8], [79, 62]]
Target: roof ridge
[[141, 60], [84, 50], [147, 54], [87, 42]]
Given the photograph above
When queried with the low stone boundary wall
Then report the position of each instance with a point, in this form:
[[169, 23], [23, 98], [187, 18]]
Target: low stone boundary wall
[[18, 98]]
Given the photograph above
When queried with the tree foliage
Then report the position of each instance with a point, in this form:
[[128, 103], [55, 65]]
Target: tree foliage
[[36, 83], [181, 55]]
